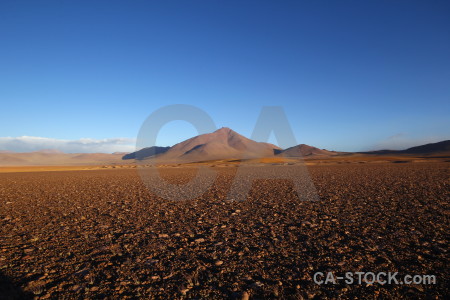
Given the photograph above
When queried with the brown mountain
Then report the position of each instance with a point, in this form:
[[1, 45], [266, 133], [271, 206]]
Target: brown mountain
[[223, 143], [303, 150]]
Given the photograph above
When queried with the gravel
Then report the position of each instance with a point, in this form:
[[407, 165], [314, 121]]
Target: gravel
[[102, 233]]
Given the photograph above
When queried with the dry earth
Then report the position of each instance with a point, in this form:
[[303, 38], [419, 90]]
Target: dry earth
[[101, 233]]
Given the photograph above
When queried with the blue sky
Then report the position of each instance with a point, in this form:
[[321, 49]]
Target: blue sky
[[351, 75]]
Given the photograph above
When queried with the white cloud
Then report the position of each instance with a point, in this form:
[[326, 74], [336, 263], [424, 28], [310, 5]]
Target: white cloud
[[33, 143], [401, 141]]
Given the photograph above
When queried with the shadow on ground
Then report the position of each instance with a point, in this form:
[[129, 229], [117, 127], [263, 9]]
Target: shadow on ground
[[9, 290]]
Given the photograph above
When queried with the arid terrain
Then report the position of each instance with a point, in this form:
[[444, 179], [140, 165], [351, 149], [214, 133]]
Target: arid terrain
[[100, 233], [55, 158]]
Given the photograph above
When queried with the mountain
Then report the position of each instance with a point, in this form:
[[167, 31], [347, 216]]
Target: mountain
[[432, 148], [223, 143], [303, 150], [442, 147], [146, 152]]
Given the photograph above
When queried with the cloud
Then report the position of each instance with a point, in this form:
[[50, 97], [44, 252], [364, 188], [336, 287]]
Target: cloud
[[33, 143], [401, 141]]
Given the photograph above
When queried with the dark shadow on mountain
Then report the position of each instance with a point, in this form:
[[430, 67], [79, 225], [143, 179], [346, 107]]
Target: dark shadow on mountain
[[10, 290], [145, 153], [193, 149], [277, 151]]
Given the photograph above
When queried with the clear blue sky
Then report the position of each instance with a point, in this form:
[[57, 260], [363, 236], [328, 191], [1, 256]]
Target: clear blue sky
[[351, 75]]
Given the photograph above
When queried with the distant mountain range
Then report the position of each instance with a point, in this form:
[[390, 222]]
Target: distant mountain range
[[222, 144], [57, 158]]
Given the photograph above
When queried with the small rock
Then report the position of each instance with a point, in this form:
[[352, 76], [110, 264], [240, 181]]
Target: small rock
[[75, 288], [218, 263], [245, 296], [47, 296], [82, 273], [258, 284], [184, 291], [247, 277]]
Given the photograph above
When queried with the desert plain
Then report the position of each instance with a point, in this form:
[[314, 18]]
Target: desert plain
[[95, 232]]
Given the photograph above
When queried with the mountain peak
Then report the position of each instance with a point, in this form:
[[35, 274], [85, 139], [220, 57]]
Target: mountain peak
[[224, 130]]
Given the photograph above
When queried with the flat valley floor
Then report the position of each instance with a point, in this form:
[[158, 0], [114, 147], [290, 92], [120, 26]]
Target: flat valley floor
[[102, 234]]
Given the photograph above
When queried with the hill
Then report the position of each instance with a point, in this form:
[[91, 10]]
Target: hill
[[303, 150], [439, 148], [432, 148], [146, 152]]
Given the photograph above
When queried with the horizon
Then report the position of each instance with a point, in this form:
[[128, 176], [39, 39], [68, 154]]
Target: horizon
[[82, 78], [56, 150]]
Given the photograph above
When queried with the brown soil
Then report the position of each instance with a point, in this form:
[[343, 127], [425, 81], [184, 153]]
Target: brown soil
[[101, 233]]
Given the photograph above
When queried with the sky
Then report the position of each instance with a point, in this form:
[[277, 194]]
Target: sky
[[83, 76]]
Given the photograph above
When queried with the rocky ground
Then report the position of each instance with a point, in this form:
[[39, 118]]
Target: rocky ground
[[102, 234]]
